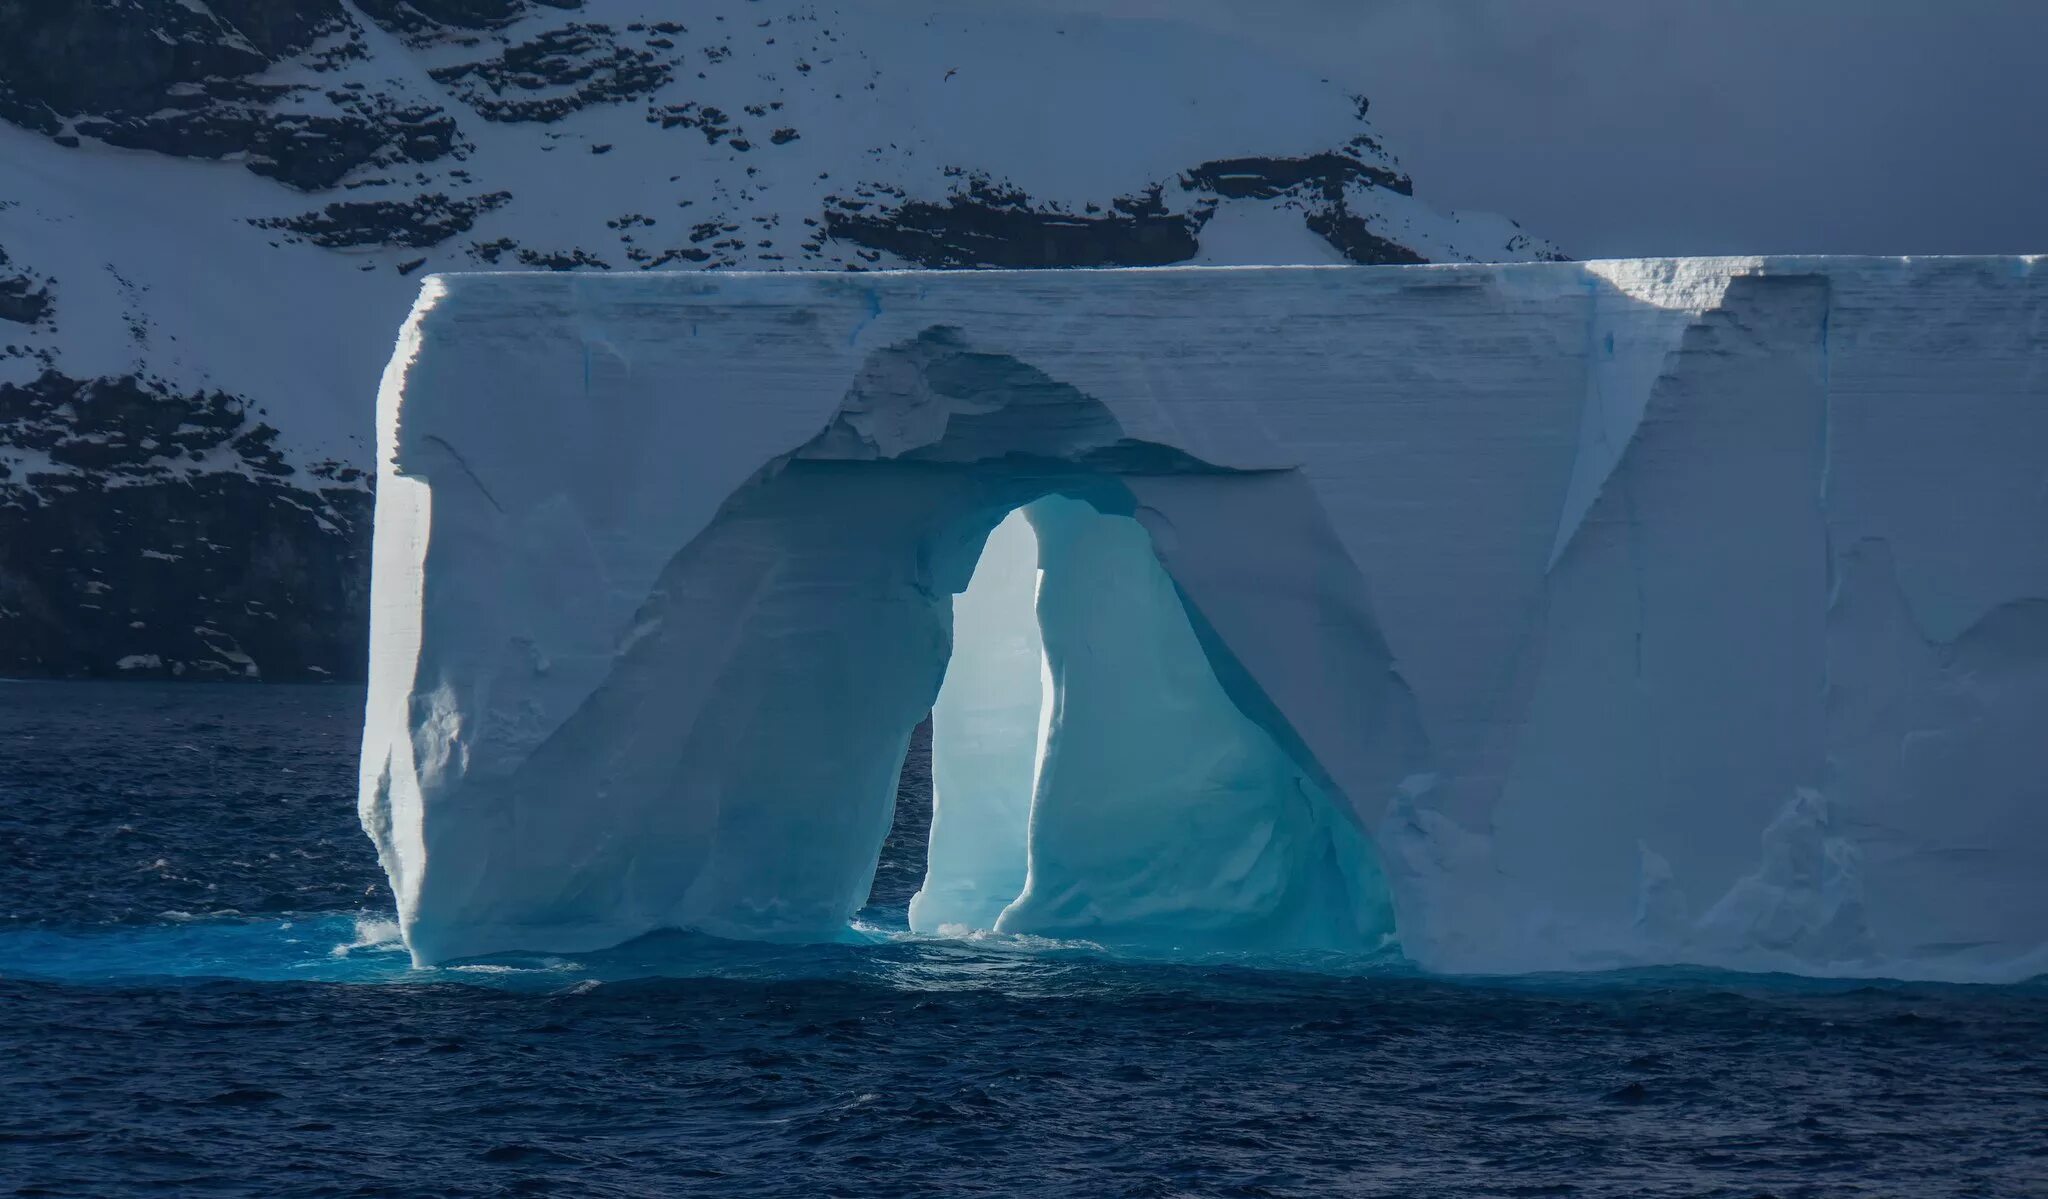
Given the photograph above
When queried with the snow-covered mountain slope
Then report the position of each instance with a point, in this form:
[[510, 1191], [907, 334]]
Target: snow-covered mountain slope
[[213, 215]]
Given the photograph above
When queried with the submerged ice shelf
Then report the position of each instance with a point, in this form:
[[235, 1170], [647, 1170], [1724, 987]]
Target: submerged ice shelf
[[1546, 616]]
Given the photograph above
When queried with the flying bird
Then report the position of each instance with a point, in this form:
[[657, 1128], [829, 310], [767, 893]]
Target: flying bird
[[949, 74]]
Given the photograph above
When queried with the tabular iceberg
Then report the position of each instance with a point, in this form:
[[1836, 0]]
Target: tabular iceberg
[[1534, 616]]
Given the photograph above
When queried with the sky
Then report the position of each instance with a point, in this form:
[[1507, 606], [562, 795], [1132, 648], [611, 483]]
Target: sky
[[1623, 128]]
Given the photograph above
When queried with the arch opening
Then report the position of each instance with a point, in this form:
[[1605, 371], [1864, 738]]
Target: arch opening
[[1095, 778], [1210, 712]]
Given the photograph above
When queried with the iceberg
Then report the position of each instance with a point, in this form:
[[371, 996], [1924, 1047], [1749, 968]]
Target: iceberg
[[1546, 616]]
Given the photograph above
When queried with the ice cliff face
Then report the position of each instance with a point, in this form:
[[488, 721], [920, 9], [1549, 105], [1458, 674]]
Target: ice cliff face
[[1537, 617], [214, 212]]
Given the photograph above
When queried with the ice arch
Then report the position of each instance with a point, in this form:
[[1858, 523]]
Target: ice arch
[[743, 744], [1629, 583]]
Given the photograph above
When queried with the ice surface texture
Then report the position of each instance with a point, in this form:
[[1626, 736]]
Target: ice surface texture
[[1547, 616]]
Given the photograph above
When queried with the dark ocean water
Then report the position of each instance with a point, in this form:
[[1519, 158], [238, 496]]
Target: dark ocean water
[[199, 994]]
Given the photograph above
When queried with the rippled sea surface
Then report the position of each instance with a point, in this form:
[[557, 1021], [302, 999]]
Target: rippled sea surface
[[200, 993]]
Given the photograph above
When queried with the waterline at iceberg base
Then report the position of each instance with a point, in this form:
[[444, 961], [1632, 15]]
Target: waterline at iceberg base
[[1525, 617]]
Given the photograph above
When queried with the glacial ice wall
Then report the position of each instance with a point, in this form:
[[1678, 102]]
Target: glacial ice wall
[[1618, 613]]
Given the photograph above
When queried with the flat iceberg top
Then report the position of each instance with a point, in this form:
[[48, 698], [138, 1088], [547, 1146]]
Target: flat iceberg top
[[1724, 263], [1651, 610], [1683, 282]]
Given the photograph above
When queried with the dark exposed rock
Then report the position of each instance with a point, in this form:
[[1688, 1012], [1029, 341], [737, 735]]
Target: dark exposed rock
[[416, 17], [421, 221], [216, 576], [492, 251], [124, 59], [171, 537], [647, 262], [193, 132], [277, 28], [163, 76], [24, 297], [562, 260], [133, 428], [315, 152], [994, 226], [337, 472], [1325, 183], [1357, 242], [1535, 248], [21, 300], [584, 62], [307, 151], [1264, 178], [704, 118]]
